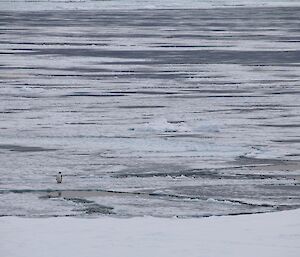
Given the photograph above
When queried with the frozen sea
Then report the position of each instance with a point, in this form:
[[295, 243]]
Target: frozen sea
[[149, 107]]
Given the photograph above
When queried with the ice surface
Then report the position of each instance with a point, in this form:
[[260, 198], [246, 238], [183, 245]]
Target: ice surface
[[193, 111], [137, 4], [262, 235]]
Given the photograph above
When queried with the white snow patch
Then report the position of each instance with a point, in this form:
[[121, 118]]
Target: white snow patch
[[271, 234], [162, 125]]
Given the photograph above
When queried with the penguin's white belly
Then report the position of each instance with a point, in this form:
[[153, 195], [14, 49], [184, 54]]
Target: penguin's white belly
[[59, 178]]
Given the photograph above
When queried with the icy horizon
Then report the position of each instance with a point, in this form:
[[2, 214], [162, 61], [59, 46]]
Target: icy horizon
[[39, 5]]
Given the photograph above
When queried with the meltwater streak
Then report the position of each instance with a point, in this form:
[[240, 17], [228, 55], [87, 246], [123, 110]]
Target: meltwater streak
[[187, 112]]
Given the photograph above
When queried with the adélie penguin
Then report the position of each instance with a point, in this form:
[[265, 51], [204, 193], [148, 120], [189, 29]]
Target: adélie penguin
[[59, 178]]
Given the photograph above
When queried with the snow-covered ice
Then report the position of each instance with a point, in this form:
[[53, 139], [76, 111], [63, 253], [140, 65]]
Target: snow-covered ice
[[261, 235], [137, 4], [168, 120]]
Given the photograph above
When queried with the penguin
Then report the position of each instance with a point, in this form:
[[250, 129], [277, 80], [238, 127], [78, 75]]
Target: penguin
[[59, 178]]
